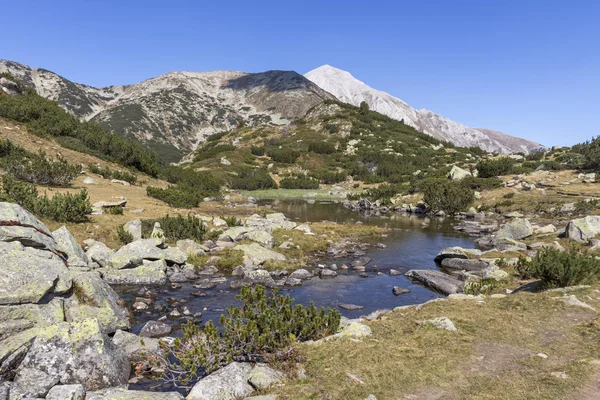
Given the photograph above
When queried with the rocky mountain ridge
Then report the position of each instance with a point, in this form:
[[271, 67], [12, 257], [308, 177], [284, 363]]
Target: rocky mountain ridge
[[350, 90], [175, 112]]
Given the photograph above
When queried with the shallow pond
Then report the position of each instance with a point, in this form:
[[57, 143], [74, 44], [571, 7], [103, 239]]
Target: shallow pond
[[412, 242]]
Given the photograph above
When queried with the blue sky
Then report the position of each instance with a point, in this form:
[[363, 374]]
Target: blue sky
[[528, 68]]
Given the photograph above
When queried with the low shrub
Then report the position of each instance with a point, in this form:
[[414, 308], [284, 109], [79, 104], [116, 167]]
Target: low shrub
[[330, 177], [557, 268], [124, 236], [284, 155], [107, 173], [509, 195], [232, 221], [383, 193], [262, 326], [480, 184], [257, 150], [252, 179], [322, 147], [299, 182], [176, 228], [118, 210], [449, 196], [61, 207], [495, 168], [189, 189]]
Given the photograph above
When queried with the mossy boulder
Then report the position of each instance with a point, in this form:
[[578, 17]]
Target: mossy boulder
[[583, 229]]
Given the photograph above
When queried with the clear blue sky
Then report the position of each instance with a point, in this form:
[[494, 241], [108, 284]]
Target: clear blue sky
[[529, 68]]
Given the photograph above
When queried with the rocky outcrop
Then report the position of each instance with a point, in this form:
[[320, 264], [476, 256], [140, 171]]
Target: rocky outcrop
[[583, 229], [517, 229], [458, 174], [459, 264], [67, 244]]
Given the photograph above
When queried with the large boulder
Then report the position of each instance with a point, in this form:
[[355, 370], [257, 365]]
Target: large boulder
[[134, 228], [234, 234], [66, 392], [263, 377], [71, 353], [259, 277], [28, 274], [517, 229], [270, 223], [457, 173], [255, 254], [583, 229], [230, 382], [94, 298], [66, 243], [436, 280], [134, 346], [190, 247]]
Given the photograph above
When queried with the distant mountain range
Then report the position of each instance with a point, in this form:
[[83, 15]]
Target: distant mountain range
[[175, 112], [350, 90]]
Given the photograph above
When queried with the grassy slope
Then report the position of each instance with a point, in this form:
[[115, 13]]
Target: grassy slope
[[492, 356]]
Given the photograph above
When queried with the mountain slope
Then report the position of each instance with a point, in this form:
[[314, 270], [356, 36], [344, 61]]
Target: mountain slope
[[350, 90], [175, 112]]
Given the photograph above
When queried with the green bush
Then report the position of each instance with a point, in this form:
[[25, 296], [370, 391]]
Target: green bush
[[36, 168], [557, 268], [284, 155], [232, 221], [117, 210], [321, 147], [189, 189], [45, 118], [107, 173], [61, 207], [535, 156], [495, 168], [124, 236], [211, 150], [299, 182], [263, 325], [509, 195], [330, 177], [252, 179], [176, 228], [257, 150], [480, 184], [449, 196], [383, 193]]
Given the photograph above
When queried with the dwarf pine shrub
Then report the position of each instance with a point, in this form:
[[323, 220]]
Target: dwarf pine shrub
[[299, 182], [124, 236], [449, 196], [555, 268], [176, 228], [263, 325], [107, 173]]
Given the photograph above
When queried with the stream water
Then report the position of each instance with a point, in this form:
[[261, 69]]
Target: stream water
[[412, 242]]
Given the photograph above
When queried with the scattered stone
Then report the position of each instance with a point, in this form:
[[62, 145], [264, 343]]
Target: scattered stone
[[559, 375], [517, 229], [395, 272], [573, 301], [89, 181], [542, 355], [120, 182], [460, 264], [442, 323], [265, 239], [324, 273], [255, 254], [121, 393], [301, 274], [495, 273], [457, 173]]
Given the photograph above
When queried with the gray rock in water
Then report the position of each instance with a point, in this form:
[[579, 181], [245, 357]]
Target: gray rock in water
[[229, 382], [451, 252], [350, 307], [263, 377], [155, 329], [583, 229], [94, 298], [122, 393], [66, 243], [76, 353], [462, 264], [301, 274], [255, 254], [134, 227], [28, 274], [259, 276], [398, 291], [66, 392], [325, 273], [436, 280]]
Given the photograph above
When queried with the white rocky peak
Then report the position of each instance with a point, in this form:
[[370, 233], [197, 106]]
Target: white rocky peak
[[348, 89]]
